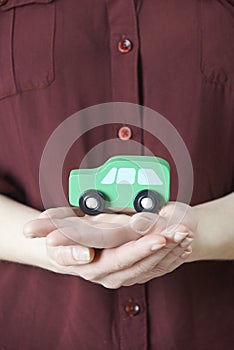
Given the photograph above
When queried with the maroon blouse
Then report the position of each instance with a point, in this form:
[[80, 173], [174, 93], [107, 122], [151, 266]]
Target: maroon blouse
[[58, 57]]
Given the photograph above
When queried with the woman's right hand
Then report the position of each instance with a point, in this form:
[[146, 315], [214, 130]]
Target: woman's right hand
[[134, 249]]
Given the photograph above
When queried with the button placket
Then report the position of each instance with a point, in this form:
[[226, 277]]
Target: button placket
[[124, 52], [124, 55], [124, 45], [133, 317]]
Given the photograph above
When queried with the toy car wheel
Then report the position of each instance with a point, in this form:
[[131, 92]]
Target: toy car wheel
[[149, 201], [92, 202]]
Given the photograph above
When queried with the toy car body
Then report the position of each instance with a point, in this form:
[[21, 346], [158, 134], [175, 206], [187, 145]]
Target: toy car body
[[139, 182]]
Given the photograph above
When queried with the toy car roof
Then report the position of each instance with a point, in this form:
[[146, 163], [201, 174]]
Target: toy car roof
[[138, 160]]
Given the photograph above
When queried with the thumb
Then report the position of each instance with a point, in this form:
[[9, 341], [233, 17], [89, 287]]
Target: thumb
[[38, 228], [176, 213], [145, 222]]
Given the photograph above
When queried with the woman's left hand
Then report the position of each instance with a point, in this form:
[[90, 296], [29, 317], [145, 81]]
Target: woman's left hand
[[130, 249]]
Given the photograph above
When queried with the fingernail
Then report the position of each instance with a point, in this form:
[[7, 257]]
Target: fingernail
[[179, 236], [27, 232], [186, 242], [186, 254], [157, 246], [142, 224], [81, 254], [31, 235]]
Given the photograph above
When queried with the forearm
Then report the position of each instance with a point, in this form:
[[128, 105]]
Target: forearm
[[214, 237], [13, 245]]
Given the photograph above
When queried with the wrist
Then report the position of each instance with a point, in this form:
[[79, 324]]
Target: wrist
[[213, 237]]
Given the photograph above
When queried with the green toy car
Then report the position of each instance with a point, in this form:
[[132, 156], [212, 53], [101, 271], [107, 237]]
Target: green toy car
[[138, 182]]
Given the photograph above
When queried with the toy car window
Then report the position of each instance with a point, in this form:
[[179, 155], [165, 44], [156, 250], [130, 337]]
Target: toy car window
[[126, 175], [148, 177], [110, 177]]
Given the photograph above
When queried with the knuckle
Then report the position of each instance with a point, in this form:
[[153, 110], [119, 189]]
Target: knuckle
[[168, 247], [118, 262], [140, 269], [45, 214], [90, 276], [131, 281], [146, 278], [118, 266], [171, 257], [182, 227], [172, 267], [160, 270], [111, 284], [101, 216]]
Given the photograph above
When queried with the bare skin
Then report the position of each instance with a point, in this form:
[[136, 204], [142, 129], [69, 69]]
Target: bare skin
[[118, 249]]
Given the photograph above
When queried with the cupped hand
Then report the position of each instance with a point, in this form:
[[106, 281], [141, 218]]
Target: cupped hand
[[136, 248]]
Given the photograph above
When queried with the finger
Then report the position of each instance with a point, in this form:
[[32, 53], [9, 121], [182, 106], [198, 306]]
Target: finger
[[38, 228], [56, 238], [102, 231], [179, 213], [66, 252], [105, 218], [176, 233], [171, 261], [156, 264], [110, 260], [147, 222], [179, 260], [42, 227], [61, 213], [71, 255], [172, 254], [45, 224], [177, 241], [142, 271], [100, 235]]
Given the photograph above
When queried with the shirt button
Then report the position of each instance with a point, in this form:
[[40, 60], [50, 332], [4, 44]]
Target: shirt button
[[124, 45], [3, 2], [132, 308], [125, 133]]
